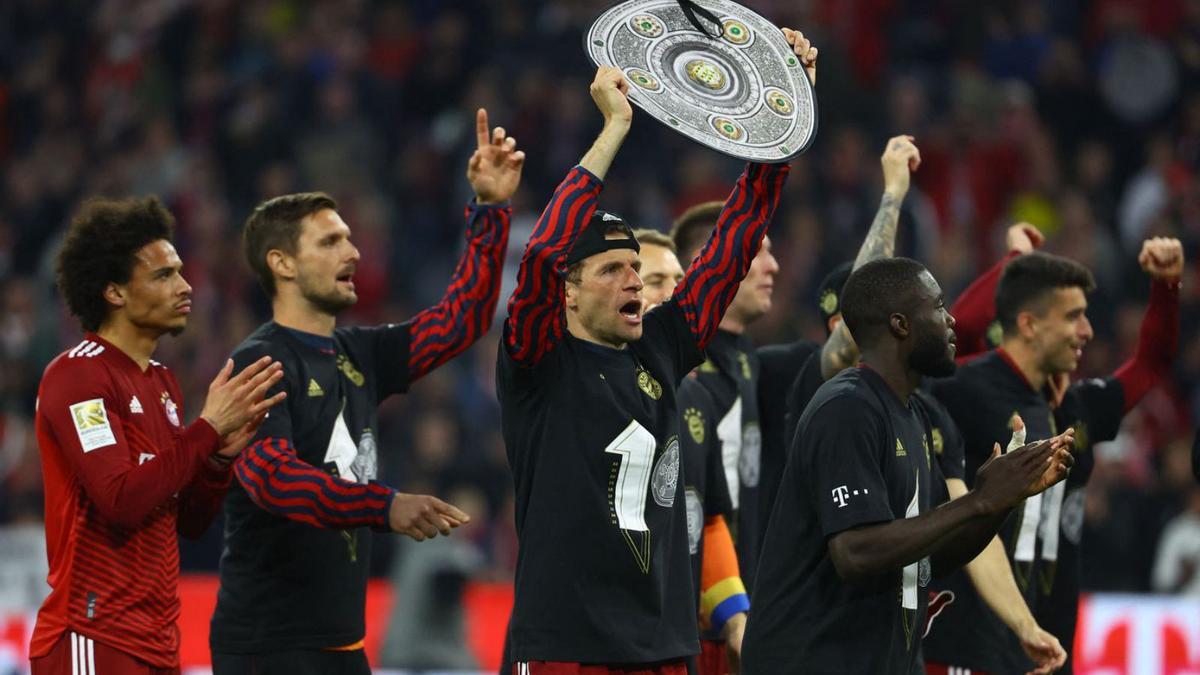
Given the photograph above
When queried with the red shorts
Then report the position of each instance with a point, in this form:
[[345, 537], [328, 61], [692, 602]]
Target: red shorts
[[713, 658], [564, 668], [75, 654], [939, 669]]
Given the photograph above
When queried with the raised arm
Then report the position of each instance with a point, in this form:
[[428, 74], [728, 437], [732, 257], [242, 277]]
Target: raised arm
[[536, 322], [1162, 259], [975, 309], [900, 158], [465, 313], [714, 276]]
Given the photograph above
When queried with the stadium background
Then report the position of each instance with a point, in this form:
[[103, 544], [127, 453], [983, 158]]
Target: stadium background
[[1082, 118]]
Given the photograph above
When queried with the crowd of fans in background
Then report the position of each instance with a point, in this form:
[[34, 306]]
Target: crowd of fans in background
[[1082, 118]]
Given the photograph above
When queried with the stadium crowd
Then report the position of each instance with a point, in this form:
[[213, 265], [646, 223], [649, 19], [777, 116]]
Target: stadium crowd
[[1082, 119]]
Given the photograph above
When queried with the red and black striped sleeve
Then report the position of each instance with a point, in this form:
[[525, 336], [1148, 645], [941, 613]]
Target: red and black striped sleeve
[[281, 483], [714, 277], [465, 313], [1158, 340], [535, 321]]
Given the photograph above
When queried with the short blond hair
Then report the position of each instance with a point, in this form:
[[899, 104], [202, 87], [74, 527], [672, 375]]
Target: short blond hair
[[645, 235]]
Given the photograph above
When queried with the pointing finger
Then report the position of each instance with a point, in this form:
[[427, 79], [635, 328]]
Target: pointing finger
[[481, 127]]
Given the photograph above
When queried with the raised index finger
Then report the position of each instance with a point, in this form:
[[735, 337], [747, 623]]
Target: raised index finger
[[481, 128]]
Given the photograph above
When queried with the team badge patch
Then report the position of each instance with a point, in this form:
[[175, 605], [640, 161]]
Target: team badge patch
[[649, 385], [829, 301], [171, 409], [91, 424], [939, 442], [348, 369], [666, 475], [695, 424]]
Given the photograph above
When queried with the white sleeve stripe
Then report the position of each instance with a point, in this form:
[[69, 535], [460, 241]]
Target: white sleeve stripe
[[91, 657]]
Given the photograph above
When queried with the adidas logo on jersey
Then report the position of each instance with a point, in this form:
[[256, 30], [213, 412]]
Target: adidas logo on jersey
[[900, 451], [315, 389], [86, 348], [135, 406]]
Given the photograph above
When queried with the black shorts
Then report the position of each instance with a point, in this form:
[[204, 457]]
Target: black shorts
[[297, 662]]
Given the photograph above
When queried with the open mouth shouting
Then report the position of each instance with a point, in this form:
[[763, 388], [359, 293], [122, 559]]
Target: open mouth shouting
[[632, 312], [346, 280]]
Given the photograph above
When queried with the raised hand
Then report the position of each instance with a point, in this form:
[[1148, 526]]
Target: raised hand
[[1023, 238], [494, 169], [804, 51], [422, 516], [1006, 479], [1162, 258], [1059, 464], [234, 401], [900, 158], [610, 91]]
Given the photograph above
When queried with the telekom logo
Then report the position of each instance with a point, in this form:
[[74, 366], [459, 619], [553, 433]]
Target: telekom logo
[[1136, 635]]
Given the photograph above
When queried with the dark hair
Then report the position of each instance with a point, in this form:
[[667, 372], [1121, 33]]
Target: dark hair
[[646, 235], [574, 273], [275, 224], [1029, 278], [99, 249], [876, 291], [692, 228]]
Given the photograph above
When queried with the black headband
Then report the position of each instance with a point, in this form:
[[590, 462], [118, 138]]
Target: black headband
[[594, 238]]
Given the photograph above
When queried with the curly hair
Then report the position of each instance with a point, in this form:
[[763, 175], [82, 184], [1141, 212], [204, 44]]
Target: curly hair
[[100, 248], [275, 224]]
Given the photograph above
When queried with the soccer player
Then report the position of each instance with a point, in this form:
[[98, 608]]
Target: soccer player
[[1041, 303], [294, 570], [123, 473], [587, 387], [989, 572], [855, 536]]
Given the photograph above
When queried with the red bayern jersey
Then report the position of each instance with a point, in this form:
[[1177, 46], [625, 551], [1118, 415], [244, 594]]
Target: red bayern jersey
[[122, 475]]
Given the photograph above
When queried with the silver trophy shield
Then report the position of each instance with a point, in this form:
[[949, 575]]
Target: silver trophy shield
[[744, 93]]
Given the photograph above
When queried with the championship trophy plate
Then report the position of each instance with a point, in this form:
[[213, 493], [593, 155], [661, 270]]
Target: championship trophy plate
[[737, 88]]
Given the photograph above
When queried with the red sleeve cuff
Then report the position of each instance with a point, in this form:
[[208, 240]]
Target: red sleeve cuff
[[203, 437]]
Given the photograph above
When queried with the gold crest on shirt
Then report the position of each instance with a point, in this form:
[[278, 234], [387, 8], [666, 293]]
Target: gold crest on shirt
[[745, 363], [695, 424], [649, 385], [939, 442], [348, 369]]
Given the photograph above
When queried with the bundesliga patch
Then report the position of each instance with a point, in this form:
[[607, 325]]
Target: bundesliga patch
[[91, 424]]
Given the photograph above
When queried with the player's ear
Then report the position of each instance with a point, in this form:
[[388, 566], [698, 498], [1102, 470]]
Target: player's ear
[[899, 325], [571, 294], [281, 264], [114, 294], [1026, 324]]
